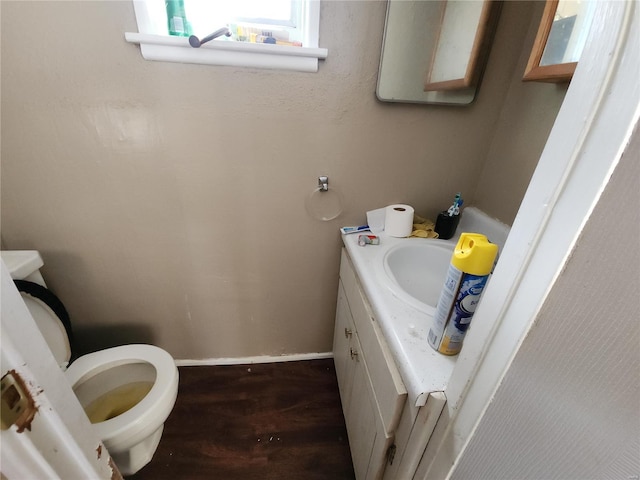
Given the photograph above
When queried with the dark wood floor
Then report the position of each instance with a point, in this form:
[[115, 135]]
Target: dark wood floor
[[261, 421]]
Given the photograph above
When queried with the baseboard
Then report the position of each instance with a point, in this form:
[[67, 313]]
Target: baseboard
[[248, 360]]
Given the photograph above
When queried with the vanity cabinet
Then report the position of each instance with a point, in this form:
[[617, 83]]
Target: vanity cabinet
[[371, 388], [387, 434], [358, 398]]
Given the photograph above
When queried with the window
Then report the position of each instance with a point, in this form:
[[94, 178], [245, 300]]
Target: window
[[280, 18], [280, 34]]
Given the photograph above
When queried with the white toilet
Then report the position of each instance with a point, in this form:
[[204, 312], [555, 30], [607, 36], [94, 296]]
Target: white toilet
[[127, 392]]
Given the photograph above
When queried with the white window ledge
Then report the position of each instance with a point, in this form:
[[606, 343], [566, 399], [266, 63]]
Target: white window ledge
[[238, 54]]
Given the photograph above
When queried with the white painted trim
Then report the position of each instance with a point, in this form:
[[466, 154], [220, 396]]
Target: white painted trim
[[312, 24], [262, 48], [600, 110], [237, 54], [259, 359]]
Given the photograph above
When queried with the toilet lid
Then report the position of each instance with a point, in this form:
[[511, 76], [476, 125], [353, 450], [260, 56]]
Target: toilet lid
[[43, 306]]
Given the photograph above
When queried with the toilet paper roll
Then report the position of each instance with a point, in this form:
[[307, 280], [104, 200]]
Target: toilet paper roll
[[398, 220]]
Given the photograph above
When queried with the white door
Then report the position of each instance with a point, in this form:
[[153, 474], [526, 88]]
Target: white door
[[48, 434]]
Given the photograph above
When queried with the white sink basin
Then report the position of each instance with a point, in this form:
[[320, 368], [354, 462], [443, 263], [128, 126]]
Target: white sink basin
[[415, 272], [402, 279]]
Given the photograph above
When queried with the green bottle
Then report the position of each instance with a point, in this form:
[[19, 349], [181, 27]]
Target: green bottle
[[177, 18]]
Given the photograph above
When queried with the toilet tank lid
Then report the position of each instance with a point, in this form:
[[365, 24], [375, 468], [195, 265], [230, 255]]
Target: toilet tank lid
[[22, 263]]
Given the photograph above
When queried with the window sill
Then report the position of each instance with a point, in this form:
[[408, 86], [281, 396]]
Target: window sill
[[237, 54]]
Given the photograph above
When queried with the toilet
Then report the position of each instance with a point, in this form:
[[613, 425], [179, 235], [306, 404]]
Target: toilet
[[127, 392]]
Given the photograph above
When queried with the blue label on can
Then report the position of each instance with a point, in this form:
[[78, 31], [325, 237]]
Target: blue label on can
[[457, 303], [467, 299]]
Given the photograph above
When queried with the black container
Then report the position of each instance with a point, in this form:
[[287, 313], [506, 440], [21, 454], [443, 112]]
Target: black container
[[446, 225]]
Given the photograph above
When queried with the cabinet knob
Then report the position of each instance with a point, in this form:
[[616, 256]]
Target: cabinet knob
[[354, 354], [347, 332]]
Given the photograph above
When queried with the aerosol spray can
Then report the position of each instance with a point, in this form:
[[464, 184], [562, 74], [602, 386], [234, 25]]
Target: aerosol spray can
[[471, 264]]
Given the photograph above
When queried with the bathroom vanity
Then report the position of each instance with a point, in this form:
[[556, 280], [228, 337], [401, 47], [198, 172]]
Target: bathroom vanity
[[391, 381]]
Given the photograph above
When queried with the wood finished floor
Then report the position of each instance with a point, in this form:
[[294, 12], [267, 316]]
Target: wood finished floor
[[261, 421]]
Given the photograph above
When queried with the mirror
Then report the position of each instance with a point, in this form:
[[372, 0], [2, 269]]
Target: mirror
[[435, 51], [560, 40]]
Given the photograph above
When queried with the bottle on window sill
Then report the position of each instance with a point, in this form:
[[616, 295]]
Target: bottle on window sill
[[177, 18]]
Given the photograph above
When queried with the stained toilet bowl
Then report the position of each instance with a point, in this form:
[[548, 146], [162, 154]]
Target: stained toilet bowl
[[130, 391], [127, 392]]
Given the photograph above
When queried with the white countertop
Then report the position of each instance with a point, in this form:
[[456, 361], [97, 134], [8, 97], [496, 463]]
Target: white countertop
[[405, 327]]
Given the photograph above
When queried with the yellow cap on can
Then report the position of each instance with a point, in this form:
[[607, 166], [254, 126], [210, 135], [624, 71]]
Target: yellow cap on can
[[474, 254]]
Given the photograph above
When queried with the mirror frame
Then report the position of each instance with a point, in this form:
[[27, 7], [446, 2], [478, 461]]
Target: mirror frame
[[487, 25], [534, 72]]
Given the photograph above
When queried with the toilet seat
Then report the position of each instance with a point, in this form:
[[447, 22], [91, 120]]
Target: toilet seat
[[137, 423]]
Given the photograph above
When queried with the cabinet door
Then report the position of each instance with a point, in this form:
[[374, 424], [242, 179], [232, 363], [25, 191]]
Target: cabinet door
[[390, 392], [413, 435], [356, 393], [361, 415], [371, 390], [342, 335]]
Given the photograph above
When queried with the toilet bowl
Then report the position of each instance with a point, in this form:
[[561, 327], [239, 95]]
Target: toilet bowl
[[127, 392]]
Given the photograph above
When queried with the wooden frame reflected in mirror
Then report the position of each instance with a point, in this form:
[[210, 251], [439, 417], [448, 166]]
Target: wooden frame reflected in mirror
[[556, 72], [461, 53]]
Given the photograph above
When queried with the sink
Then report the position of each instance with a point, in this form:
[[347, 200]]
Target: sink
[[415, 272]]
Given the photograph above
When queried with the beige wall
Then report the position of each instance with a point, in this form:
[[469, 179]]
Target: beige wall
[[526, 118], [168, 200]]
